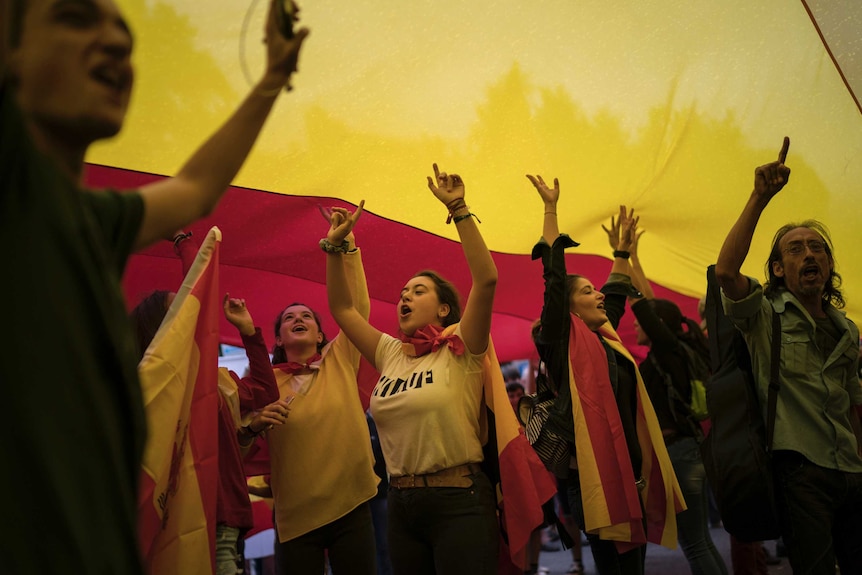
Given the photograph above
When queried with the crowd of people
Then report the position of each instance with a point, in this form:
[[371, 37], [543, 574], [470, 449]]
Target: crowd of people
[[631, 470]]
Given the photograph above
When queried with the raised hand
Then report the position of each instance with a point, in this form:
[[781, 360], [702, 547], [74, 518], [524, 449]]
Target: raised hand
[[628, 228], [327, 214], [622, 230], [613, 233], [341, 222], [282, 55], [637, 233], [770, 178], [549, 195], [449, 189], [237, 314]]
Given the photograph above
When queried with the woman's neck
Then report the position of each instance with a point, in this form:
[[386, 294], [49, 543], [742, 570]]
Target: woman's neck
[[300, 355]]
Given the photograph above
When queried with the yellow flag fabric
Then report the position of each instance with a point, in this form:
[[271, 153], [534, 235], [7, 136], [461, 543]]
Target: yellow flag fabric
[[663, 105], [179, 376]]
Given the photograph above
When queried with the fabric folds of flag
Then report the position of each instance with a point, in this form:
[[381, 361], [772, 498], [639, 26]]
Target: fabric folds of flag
[[525, 484], [179, 378], [612, 501]]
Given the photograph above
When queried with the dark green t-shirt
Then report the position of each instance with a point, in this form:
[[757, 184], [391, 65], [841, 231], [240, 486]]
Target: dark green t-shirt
[[74, 421]]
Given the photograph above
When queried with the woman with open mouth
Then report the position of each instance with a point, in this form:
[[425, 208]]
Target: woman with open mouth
[[320, 450], [616, 465], [428, 400]]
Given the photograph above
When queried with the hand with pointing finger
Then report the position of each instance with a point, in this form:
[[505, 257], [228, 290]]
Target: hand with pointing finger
[[770, 178]]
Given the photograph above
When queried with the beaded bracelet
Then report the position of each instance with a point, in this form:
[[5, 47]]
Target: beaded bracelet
[[330, 248], [622, 254]]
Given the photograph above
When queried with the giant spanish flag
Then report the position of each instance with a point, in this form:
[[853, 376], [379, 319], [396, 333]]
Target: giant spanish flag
[[179, 378], [663, 105]]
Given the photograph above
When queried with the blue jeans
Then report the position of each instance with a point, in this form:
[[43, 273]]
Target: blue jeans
[[608, 560], [444, 530], [821, 515], [692, 524]]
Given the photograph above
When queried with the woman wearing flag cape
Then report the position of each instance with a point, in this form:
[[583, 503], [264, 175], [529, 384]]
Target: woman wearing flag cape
[[621, 485]]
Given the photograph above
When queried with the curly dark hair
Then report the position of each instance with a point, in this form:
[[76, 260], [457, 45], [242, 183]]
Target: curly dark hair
[[831, 291], [278, 354]]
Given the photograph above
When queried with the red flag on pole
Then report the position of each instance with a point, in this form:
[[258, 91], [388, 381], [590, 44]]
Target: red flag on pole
[[177, 501]]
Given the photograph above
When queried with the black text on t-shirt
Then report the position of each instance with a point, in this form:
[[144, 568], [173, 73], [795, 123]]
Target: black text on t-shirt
[[387, 386]]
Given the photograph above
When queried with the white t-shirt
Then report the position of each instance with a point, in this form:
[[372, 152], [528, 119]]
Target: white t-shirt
[[428, 408]]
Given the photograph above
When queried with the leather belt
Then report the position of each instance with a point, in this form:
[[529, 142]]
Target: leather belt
[[457, 476]]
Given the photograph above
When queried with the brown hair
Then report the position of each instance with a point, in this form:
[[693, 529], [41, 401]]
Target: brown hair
[[447, 294], [278, 353], [146, 318]]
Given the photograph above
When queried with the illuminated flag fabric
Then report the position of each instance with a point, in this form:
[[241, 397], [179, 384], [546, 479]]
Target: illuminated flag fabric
[[663, 105], [179, 378]]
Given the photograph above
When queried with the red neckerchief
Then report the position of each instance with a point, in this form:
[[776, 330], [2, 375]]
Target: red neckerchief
[[428, 339], [294, 367]]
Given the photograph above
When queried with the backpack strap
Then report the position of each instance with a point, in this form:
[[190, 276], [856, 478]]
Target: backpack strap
[[542, 383], [774, 382]]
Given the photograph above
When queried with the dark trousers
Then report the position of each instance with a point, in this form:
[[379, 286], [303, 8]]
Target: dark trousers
[[444, 530], [608, 560], [380, 516], [821, 515], [349, 542], [748, 558]]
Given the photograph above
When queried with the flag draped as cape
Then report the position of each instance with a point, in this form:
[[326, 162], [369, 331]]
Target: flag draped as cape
[[612, 503]]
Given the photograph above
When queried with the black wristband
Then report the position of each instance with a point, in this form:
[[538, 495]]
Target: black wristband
[[622, 254], [180, 237], [462, 217], [246, 429]]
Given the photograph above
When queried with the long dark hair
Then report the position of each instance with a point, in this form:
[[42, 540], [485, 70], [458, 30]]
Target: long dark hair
[[831, 291], [571, 279], [278, 353], [684, 328], [447, 294], [146, 318]]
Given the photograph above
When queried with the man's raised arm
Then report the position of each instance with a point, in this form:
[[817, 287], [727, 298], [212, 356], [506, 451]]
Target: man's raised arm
[[193, 193], [768, 181]]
